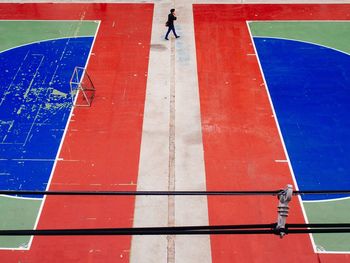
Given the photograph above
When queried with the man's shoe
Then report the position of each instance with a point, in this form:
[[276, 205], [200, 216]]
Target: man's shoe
[[177, 36], [166, 38]]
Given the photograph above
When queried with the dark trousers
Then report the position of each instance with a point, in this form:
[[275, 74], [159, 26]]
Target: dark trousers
[[171, 28]]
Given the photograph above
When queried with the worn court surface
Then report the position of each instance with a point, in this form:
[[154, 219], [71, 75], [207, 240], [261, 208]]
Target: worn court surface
[[205, 111]]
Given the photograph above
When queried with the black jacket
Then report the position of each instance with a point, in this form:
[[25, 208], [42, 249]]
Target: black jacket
[[171, 19]]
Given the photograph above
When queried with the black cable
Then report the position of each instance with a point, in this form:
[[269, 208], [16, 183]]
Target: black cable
[[139, 229], [116, 232], [167, 193], [188, 230]]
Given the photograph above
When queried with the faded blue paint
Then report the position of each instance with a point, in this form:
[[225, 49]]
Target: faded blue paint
[[310, 90], [35, 103]]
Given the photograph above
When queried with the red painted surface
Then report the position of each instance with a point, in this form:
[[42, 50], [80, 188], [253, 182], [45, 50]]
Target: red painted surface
[[240, 137], [241, 140], [102, 146]]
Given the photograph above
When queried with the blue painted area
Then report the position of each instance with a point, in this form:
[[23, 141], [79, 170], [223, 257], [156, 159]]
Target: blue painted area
[[310, 90], [35, 104]]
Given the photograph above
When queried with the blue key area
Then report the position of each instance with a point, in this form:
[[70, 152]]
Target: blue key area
[[310, 91], [35, 103]]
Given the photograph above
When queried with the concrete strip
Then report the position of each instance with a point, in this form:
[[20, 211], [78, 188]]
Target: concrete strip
[[189, 161], [154, 157], [171, 149]]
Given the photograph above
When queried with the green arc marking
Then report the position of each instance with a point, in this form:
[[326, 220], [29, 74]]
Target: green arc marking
[[17, 213], [330, 212], [329, 34], [18, 33]]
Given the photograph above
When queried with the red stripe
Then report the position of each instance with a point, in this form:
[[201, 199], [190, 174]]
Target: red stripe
[[105, 139], [241, 140]]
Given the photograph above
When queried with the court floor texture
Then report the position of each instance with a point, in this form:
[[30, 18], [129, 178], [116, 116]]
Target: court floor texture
[[250, 97]]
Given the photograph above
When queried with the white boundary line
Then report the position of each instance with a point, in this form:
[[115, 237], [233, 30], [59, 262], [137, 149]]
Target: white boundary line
[[57, 155], [332, 252], [15, 248], [285, 149], [280, 135], [327, 200], [22, 198]]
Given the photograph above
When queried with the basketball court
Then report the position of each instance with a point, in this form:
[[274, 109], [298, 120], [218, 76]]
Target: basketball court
[[252, 96]]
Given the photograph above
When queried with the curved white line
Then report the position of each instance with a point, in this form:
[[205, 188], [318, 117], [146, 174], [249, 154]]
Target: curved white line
[[302, 41], [326, 200], [42, 41], [20, 197]]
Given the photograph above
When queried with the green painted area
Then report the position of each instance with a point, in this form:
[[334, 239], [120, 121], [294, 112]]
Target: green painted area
[[16, 33], [330, 34], [330, 212], [17, 214]]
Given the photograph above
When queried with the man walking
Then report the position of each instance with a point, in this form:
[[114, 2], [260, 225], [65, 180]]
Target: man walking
[[170, 24]]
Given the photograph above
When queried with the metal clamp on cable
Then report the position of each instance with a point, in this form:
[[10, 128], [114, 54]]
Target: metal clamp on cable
[[284, 198]]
